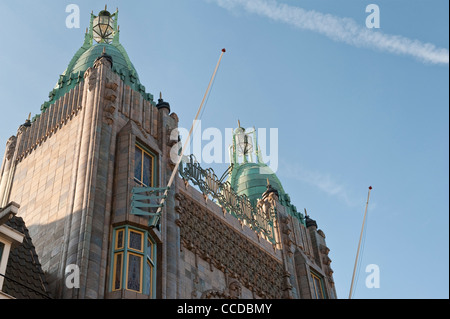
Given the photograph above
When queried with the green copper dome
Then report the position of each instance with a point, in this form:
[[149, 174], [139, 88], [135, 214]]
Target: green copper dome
[[85, 57], [251, 179], [255, 179]]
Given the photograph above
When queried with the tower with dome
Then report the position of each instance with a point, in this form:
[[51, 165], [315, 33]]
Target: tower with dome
[[87, 174]]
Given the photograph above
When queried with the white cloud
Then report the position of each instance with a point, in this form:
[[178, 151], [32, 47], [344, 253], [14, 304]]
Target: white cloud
[[340, 29], [322, 181]]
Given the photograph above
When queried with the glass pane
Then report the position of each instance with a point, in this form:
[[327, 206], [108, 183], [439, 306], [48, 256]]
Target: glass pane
[[149, 249], [104, 20], [104, 28], [147, 173], [118, 271], [119, 244], [138, 164], [134, 272], [2, 245], [148, 280], [135, 240], [318, 288], [97, 38]]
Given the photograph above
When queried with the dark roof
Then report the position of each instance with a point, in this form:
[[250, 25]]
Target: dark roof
[[24, 277]]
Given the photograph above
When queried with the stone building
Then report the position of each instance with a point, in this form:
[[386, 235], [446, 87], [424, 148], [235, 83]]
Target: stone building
[[89, 173]]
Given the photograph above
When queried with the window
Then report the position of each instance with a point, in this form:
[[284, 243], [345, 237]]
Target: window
[[144, 167], [150, 266], [2, 245], [319, 291], [133, 262]]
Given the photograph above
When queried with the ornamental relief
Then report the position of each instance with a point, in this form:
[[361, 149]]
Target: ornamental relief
[[11, 147], [226, 249], [110, 101]]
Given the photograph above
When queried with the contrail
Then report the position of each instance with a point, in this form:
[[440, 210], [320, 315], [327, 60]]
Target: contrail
[[340, 29]]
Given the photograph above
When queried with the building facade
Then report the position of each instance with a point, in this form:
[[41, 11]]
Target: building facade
[[89, 173]]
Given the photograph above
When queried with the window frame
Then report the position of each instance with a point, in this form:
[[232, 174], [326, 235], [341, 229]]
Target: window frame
[[315, 276], [126, 251], [9, 237], [153, 169]]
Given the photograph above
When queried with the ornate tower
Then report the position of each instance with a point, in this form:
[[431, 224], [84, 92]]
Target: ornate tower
[[73, 166], [88, 172]]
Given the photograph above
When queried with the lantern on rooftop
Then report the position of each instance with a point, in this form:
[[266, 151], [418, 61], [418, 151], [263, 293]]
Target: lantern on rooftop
[[244, 142], [103, 27]]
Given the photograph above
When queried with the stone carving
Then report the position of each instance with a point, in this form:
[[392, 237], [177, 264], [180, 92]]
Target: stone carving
[[91, 76], [233, 291], [11, 147], [229, 251], [110, 101]]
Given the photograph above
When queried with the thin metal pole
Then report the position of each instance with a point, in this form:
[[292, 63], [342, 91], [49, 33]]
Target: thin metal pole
[[175, 170], [359, 244]]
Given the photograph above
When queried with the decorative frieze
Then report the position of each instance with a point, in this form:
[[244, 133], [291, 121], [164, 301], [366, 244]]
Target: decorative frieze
[[228, 250], [110, 102], [11, 147], [46, 124], [260, 218]]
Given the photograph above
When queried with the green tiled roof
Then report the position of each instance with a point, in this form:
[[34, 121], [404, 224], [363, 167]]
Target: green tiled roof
[[85, 57], [251, 179]]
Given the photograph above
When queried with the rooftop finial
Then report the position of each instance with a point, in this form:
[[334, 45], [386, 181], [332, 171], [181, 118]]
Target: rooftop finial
[[28, 122], [162, 104], [239, 123], [105, 7]]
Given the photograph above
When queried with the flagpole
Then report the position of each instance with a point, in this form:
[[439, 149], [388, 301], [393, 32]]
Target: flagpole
[[359, 244], [180, 156]]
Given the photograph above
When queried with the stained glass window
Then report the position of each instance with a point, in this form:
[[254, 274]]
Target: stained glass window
[[143, 167], [149, 277], [147, 171], [318, 288], [134, 272], [138, 164], [134, 264], [2, 245], [118, 271], [135, 241], [119, 241], [150, 266]]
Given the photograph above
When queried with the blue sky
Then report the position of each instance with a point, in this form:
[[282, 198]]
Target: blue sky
[[352, 110]]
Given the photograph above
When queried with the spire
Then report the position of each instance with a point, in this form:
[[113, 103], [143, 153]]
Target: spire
[[162, 104], [269, 190], [28, 121], [309, 222]]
